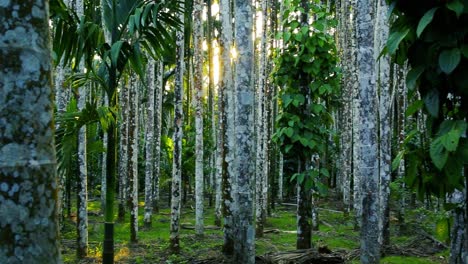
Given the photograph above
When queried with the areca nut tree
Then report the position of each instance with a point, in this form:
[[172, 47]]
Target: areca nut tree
[[133, 25]]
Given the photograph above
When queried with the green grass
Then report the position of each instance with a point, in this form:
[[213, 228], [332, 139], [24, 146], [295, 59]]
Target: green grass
[[336, 232]]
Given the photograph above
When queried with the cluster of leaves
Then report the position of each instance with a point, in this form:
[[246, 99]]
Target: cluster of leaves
[[306, 71], [432, 36]]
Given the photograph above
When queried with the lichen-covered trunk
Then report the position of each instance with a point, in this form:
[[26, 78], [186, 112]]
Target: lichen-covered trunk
[[198, 85], [382, 69], [401, 104], [367, 133], [346, 154], [123, 154], [244, 248], [228, 181], [280, 177], [260, 168], [304, 213], [133, 156], [82, 186], [157, 133], [149, 144], [176, 187], [458, 250], [28, 184], [103, 172]]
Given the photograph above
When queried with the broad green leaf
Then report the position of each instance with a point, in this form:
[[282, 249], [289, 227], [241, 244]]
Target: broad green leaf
[[115, 51], [449, 60], [298, 36], [287, 36], [456, 6], [414, 107], [425, 20], [324, 172], [438, 153], [431, 100], [289, 131], [288, 148], [394, 40], [304, 141], [413, 76], [450, 140]]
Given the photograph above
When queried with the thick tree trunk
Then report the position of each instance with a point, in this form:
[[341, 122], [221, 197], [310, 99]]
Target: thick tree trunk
[[198, 85], [458, 252], [244, 249], [367, 144], [133, 156], [228, 181], [177, 139], [28, 184], [149, 144]]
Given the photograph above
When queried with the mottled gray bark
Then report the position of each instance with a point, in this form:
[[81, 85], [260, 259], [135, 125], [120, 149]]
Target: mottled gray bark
[[28, 184], [198, 97], [228, 182], [149, 143], [384, 116], [261, 159], [367, 133], [177, 139], [280, 177], [244, 249], [157, 133], [82, 185], [458, 252], [346, 140], [123, 153], [133, 156], [402, 102]]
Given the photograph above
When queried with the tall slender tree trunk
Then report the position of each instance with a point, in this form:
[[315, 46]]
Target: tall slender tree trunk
[[385, 111], [402, 101], [123, 154], [158, 130], [228, 181], [149, 144], [280, 177], [133, 156], [82, 185], [260, 168], [198, 85], [244, 250], [367, 150], [177, 139], [304, 197], [28, 184]]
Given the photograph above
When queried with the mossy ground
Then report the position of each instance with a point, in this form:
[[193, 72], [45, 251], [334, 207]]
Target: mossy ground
[[336, 232]]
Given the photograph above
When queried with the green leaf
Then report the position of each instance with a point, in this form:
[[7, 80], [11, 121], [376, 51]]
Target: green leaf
[[413, 76], [438, 153], [414, 107], [431, 100], [115, 51], [449, 60], [289, 132], [287, 36], [397, 160], [394, 40], [324, 172], [456, 6], [450, 140], [425, 20]]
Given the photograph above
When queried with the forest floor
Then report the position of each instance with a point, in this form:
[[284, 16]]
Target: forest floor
[[419, 244]]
